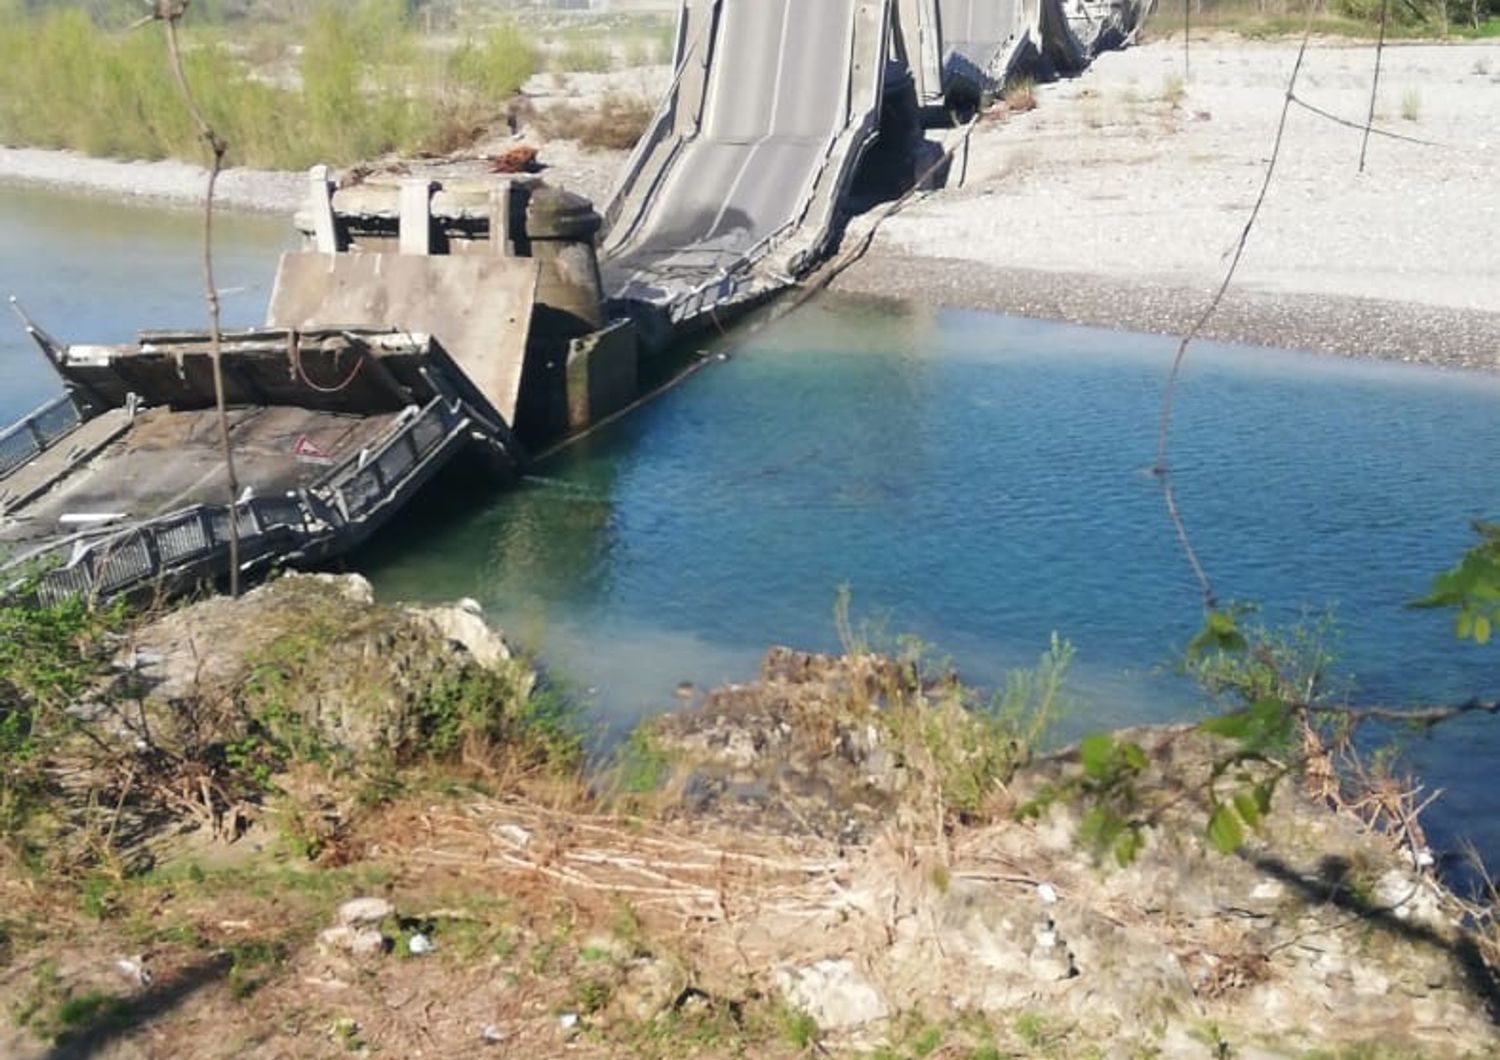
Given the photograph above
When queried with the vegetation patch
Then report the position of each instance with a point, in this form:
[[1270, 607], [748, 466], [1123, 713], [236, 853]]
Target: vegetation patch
[[614, 123], [359, 83]]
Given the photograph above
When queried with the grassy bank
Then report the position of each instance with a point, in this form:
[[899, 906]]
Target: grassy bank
[[360, 82], [1357, 19]]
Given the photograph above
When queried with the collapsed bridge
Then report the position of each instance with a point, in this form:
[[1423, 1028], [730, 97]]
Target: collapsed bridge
[[740, 183], [428, 321]]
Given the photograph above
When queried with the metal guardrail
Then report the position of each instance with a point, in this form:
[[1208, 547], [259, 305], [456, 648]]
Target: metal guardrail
[[176, 542], [195, 539], [35, 434], [358, 493]]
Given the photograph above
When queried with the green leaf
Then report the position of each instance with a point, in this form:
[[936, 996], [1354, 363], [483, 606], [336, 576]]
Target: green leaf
[[1481, 629], [1133, 756], [1128, 846], [1034, 808], [1234, 726], [1224, 830], [1097, 754], [1248, 808], [1219, 632], [1100, 829], [1463, 625]]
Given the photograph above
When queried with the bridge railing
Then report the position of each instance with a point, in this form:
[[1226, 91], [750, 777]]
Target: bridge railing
[[36, 433], [194, 541]]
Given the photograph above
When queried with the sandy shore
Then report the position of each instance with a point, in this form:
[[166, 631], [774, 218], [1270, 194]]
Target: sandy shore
[[1117, 203]]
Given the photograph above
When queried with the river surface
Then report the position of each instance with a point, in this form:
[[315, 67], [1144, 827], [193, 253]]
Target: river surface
[[977, 481]]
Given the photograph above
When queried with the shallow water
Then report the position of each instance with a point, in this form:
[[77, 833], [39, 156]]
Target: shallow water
[[977, 481], [981, 482], [94, 270]]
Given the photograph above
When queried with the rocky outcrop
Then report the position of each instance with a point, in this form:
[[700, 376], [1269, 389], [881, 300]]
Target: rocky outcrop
[[1316, 934], [358, 676]]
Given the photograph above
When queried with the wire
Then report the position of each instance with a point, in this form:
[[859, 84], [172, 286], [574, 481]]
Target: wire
[[1368, 130], [294, 353]]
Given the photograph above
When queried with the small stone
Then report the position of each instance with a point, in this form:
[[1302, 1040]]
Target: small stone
[[356, 941], [134, 969], [514, 833], [1268, 891], [568, 1022], [419, 945], [650, 986], [490, 1034], [359, 911], [1408, 897], [1047, 893]]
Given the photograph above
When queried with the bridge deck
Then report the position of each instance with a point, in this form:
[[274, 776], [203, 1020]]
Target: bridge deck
[[751, 151]]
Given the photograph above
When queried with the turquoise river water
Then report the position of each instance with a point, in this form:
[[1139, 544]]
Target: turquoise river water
[[975, 480]]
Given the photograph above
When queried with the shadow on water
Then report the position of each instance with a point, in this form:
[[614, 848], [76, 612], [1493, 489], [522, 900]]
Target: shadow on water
[[124, 1020]]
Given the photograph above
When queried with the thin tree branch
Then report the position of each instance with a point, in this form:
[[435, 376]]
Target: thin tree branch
[[1385, 9], [168, 12], [1160, 469], [1426, 717]]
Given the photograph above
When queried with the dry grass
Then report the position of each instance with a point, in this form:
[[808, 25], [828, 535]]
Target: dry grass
[[1411, 104], [1172, 89], [614, 123], [1019, 94]]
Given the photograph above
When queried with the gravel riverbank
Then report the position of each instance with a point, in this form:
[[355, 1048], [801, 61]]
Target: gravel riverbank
[[1119, 199], [163, 181]]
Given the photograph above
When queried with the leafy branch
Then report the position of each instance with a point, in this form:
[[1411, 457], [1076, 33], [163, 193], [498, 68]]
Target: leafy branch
[[1279, 718], [1471, 588]]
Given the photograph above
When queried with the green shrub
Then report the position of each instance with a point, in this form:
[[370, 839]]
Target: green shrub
[[582, 55], [49, 658]]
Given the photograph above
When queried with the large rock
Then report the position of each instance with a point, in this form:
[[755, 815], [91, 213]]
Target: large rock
[[317, 652]]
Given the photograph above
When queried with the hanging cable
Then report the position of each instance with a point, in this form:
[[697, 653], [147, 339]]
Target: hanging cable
[[294, 354]]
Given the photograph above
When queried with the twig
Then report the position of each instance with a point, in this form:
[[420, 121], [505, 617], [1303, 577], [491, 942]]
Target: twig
[[1426, 717], [1159, 469], [1385, 8], [168, 12], [1187, 36]]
